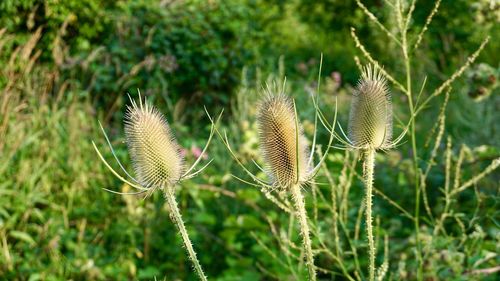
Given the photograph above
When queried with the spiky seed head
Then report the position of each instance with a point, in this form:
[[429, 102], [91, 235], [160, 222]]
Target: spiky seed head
[[286, 161], [155, 153], [370, 119]]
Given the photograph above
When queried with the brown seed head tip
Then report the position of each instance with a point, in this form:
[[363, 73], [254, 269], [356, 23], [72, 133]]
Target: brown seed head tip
[[155, 153], [285, 155], [370, 119]]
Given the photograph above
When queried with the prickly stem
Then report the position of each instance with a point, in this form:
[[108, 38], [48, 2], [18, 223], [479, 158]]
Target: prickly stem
[[175, 215], [301, 214], [368, 167]]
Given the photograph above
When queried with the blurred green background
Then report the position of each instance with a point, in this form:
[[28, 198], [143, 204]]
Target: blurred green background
[[67, 64]]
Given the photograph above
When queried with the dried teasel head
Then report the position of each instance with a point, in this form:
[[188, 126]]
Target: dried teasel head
[[282, 141], [370, 119], [155, 153]]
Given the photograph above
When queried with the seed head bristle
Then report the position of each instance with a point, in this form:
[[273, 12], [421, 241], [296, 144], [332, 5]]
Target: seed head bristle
[[278, 140], [155, 153], [370, 119]]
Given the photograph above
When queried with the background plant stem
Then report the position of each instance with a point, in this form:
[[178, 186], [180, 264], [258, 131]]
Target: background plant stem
[[411, 106]]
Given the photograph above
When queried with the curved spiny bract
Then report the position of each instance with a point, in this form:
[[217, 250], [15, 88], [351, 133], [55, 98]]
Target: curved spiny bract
[[370, 119], [284, 148], [155, 153]]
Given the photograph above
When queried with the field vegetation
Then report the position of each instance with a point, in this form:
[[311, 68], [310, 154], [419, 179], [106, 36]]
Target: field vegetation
[[66, 70]]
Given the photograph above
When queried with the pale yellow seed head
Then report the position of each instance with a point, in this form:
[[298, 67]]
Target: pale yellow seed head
[[155, 153], [287, 163], [370, 119]]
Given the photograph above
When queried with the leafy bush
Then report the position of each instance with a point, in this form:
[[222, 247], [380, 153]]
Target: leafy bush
[[84, 21], [189, 50]]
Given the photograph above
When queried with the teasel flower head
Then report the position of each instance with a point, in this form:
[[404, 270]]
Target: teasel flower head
[[153, 149], [370, 119], [282, 142], [156, 156]]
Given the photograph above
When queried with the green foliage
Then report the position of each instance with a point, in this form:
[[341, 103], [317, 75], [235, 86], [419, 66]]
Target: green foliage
[[457, 28], [190, 51], [56, 223], [85, 21], [460, 27]]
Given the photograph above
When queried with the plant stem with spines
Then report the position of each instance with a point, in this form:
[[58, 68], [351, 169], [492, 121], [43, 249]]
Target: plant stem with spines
[[300, 210], [368, 168], [175, 215]]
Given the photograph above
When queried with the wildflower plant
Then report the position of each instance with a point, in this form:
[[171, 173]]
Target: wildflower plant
[[288, 159], [407, 46], [370, 129], [157, 162]]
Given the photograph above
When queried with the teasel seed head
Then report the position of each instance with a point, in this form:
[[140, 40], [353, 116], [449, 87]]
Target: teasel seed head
[[282, 141], [370, 119], [154, 151]]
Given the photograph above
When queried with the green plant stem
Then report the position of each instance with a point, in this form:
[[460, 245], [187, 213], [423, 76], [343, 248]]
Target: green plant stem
[[175, 215], [415, 154], [369, 165], [300, 211]]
